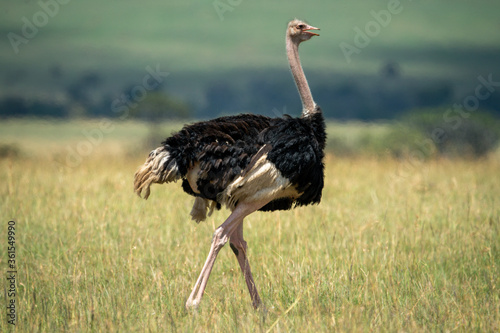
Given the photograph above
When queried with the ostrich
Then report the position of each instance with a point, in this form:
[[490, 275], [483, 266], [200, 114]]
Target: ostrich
[[246, 163]]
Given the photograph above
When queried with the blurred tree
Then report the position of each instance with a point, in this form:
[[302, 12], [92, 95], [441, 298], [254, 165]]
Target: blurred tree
[[9, 150], [475, 136], [156, 107], [17, 106], [84, 95], [390, 70]]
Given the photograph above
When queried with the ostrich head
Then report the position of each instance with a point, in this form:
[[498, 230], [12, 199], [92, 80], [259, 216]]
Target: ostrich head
[[299, 31]]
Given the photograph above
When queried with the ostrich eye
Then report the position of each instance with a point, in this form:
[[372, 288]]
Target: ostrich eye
[[300, 26]]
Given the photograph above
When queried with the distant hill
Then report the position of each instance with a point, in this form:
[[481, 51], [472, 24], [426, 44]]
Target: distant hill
[[49, 45]]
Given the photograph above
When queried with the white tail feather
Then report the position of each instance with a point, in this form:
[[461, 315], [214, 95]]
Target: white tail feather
[[158, 168]]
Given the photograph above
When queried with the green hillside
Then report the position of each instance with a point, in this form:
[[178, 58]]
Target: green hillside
[[212, 35], [228, 56]]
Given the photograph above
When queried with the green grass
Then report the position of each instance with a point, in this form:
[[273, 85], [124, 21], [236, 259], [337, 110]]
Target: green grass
[[394, 246]]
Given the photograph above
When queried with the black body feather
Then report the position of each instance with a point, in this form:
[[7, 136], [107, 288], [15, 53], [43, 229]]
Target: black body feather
[[225, 147]]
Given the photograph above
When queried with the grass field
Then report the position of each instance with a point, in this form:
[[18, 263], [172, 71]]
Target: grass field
[[394, 246]]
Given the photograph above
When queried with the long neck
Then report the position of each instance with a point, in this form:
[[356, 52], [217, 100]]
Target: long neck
[[292, 50]]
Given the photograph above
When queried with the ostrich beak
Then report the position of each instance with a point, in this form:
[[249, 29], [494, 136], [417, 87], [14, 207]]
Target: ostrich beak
[[311, 28]]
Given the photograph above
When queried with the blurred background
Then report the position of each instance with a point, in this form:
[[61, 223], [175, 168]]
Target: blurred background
[[388, 74]]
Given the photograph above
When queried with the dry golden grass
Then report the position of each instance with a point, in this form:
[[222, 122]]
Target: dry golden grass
[[393, 246]]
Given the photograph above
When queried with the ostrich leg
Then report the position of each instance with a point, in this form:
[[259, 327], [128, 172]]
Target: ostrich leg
[[239, 247], [220, 238]]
